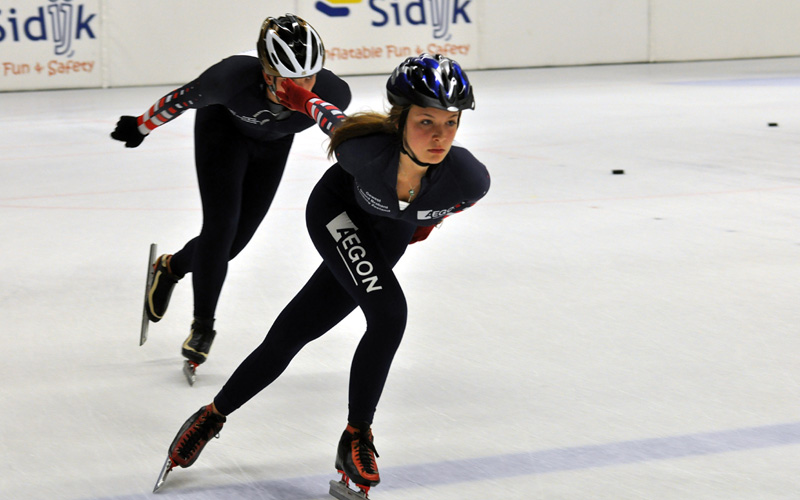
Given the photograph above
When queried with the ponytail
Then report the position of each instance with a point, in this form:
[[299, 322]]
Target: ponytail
[[366, 123]]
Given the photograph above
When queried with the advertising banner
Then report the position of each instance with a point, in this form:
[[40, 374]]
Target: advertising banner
[[50, 44], [373, 36]]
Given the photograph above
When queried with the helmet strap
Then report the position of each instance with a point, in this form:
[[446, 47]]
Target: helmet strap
[[271, 87], [413, 156], [279, 111]]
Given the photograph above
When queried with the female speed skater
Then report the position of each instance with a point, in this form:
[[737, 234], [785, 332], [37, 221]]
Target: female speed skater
[[396, 176], [242, 138]]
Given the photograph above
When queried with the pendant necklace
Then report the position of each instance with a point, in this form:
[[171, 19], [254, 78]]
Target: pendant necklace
[[411, 194]]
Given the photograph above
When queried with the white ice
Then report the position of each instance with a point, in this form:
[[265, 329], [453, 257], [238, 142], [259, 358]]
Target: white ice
[[576, 335]]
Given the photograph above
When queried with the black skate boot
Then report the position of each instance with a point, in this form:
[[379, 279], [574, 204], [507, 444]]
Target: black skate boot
[[190, 441], [161, 289], [195, 348], [199, 341], [193, 436], [355, 461]]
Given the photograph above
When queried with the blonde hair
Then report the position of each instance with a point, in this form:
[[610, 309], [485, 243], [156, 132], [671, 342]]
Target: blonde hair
[[366, 123]]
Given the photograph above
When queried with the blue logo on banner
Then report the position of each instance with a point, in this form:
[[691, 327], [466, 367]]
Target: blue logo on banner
[[63, 23], [439, 14], [334, 11]]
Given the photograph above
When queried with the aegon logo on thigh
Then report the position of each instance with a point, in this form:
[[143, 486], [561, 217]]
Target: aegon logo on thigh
[[354, 255]]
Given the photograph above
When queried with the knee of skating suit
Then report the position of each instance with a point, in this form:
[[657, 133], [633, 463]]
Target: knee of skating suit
[[198, 343], [355, 456], [164, 281]]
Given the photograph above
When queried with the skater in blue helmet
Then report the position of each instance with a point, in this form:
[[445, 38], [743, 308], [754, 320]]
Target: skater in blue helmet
[[396, 176], [242, 139]]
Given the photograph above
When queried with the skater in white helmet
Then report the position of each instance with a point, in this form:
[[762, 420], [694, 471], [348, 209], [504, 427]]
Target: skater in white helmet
[[242, 140]]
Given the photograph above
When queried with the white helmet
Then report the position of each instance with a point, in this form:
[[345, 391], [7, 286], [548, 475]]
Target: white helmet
[[289, 47]]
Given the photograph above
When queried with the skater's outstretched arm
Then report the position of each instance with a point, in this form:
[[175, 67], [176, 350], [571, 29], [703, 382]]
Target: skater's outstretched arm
[[328, 116], [133, 129], [215, 85]]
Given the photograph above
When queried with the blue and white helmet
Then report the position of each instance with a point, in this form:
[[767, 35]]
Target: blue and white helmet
[[430, 81]]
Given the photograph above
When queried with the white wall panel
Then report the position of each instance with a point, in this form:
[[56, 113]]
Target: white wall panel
[[158, 41], [724, 29], [517, 33]]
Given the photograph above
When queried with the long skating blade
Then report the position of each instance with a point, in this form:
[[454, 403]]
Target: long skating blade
[[168, 465], [189, 371], [147, 284], [343, 492]]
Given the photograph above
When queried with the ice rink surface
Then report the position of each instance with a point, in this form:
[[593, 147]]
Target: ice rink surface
[[576, 335]]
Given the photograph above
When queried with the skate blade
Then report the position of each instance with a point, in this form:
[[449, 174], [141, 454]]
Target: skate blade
[[148, 283], [190, 371], [165, 470], [341, 491]]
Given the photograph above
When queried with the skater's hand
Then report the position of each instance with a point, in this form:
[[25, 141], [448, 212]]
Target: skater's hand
[[127, 131], [294, 96], [421, 233]]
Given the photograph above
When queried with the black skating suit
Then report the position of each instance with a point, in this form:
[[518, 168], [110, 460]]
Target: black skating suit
[[242, 142], [356, 223]]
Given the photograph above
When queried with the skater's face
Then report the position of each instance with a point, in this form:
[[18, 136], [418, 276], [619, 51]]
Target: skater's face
[[429, 132], [306, 82]]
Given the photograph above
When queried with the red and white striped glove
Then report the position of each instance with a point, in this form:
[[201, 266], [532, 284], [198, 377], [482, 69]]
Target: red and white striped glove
[[294, 97]]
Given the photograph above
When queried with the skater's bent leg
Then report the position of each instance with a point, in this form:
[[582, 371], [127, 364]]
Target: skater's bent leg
[[181, 261], [266, 165], [317, 308], [221, 158], [386, 322], [373, 245], [261, 177]]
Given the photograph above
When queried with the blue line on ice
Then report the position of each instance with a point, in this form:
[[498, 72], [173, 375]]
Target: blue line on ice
[[505, 466]]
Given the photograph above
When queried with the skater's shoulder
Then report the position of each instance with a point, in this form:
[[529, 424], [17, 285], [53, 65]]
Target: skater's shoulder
[[248, 60], [333, 89], [370, 148], [233, 70], [463, 163]]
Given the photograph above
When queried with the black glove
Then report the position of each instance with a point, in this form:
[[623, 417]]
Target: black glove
[[127, 131]]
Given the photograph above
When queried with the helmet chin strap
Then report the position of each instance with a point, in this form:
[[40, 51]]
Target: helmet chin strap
[[404, 144], [413, 157], [271, 87], [279, 111]]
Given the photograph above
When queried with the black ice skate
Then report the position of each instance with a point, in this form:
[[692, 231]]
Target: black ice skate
[[160, 289], [148, 283], [190, 441], [355, 461], [196, 347]]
